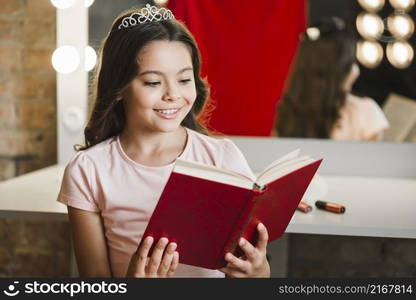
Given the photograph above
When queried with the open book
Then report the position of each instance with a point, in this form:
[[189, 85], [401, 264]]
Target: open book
[[400, 111], [205, 209]]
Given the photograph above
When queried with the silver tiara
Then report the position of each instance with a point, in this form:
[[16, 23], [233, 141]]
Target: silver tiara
[[147, 14]]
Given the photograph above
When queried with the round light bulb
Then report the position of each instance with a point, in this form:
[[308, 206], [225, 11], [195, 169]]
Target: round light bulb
[[372, 5], [400, 54], [90, 58], [73, 118], [404, 5], [65, 59], [401, 25], [62, 4], [370, 26], [369, 54]]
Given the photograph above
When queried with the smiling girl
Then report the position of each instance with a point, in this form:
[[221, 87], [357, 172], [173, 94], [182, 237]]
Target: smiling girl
[[148, 94]]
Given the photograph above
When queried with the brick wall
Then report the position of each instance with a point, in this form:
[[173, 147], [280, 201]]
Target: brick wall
[[31, 248], [28, 133]]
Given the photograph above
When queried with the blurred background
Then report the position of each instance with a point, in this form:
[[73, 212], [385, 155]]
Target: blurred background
[[28, 115]]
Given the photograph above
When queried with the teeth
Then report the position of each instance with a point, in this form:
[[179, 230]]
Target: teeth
[[167, 111]]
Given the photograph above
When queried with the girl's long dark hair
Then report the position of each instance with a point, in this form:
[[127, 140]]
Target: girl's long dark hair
[[310, 106], [118, 65]]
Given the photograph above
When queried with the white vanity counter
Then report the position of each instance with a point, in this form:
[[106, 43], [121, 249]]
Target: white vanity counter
[[377, 207], [34, 193]]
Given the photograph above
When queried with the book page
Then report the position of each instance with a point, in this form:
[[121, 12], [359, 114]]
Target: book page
[[212, 173], [411, 137], [401, 114], [284, 169], [284, 158], [278, 168]]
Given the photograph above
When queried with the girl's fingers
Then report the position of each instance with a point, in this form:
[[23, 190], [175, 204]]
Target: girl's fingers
[[141, 255], [155, 259], [174, 264], [249, 250], [166, 260], [236, 263], [232, 272], [263, 237], [255, 263]]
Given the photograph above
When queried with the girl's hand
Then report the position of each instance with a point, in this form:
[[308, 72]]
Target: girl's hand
[[255, 264], [162, 263]]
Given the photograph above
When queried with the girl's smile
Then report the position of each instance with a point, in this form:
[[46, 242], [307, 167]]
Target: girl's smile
[[162, 94], [168, 114]]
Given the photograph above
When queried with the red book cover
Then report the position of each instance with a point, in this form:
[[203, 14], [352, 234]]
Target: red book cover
[[206, 217]]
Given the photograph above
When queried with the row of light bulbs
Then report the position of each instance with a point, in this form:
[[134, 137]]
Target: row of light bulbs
[[66, 59], [400, 53], [371, 27], [375, 5]]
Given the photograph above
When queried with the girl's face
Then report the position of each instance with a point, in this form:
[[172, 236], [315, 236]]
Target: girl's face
[[163, 92]]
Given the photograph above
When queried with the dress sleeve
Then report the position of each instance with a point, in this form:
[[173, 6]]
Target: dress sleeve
[[234, 160], [76, 189], [373, 119]]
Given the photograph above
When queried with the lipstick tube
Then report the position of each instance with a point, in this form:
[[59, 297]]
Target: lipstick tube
[[304, 207], [329, 206]]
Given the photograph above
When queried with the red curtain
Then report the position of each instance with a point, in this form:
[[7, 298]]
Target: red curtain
[[247, 48]]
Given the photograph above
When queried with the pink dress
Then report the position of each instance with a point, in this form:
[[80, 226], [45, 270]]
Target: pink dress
[[104, 179], [361, 118]]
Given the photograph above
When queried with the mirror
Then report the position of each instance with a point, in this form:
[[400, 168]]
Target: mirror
[[391, 88], [391, 85]]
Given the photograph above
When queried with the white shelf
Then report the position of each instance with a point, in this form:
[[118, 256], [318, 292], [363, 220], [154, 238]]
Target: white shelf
[[377, 207]]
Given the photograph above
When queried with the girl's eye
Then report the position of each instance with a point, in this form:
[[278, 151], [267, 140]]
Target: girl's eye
[[185, 81], [152, 83]]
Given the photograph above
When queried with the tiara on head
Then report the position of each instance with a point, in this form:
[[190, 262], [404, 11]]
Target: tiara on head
[[326, 26], [146, 14]]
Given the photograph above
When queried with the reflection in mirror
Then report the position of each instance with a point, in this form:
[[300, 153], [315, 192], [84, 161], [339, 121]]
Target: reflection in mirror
[[244, 105], [374, 87], [380, 104], [100, 15], [318, 102]]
